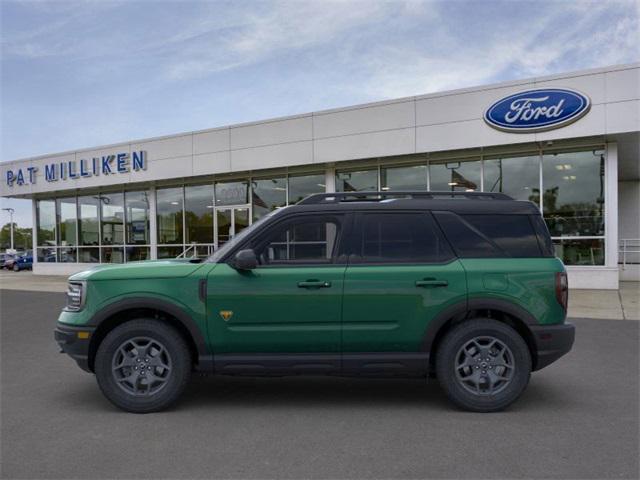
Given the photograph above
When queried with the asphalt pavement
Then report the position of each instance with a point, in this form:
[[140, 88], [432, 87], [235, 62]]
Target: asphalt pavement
[[578, 418]]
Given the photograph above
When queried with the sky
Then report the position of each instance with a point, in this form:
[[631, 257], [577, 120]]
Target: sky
[[87, 73]]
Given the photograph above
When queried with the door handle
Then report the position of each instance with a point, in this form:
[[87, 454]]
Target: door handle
[[431, 282], [314, 284]]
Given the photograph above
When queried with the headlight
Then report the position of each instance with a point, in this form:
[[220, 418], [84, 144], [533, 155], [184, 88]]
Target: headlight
[[75, 296]]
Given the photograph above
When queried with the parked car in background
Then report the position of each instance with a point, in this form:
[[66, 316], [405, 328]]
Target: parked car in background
[[23, 262], [7, 260]]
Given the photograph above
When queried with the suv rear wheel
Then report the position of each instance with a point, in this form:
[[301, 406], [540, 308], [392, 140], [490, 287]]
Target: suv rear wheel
[[483, 365], [143, 366]]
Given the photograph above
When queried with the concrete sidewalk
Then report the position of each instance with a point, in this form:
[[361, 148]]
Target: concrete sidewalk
[[620, 304]]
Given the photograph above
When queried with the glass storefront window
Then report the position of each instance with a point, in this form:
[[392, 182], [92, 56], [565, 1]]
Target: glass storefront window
[[232, 193], [580, 251], [88, 220], [573, 198], [67, 254], [268, 194], [404, 178], [169, 252], [112, 218], [301, 186], [456, 176], [169, 207], [89, 255], [67, 221], [518, 177], [112, 255], [47, 254], [198, 213], [357, 181], [135, 254], [46, 218], [137, 218]]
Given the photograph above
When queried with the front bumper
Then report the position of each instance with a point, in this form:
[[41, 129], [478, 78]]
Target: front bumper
[[74, 341], [552, 342]]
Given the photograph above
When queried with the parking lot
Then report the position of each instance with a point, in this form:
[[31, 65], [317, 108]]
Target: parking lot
[[578, 418]]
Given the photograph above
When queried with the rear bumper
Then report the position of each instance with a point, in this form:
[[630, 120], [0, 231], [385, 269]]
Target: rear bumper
[[552, 342], [74, 345]]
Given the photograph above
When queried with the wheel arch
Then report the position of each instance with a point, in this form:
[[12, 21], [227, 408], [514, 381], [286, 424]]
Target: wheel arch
[[117, 313], [504, 311]]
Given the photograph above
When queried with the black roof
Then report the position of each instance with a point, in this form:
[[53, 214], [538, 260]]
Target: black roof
[[458, 202]]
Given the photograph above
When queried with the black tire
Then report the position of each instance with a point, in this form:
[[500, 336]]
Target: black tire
[[175, 354], [453, 365], [16, 268]]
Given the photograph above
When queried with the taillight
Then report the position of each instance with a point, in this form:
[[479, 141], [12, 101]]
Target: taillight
[[562, 289]]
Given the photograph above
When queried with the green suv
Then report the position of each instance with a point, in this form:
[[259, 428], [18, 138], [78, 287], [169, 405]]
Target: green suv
[[461, 286]]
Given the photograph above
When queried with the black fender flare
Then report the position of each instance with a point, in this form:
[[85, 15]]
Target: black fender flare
[[459, 310], [205, 359]]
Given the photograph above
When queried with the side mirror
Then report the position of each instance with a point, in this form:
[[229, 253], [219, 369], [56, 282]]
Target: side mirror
[[245, 260]]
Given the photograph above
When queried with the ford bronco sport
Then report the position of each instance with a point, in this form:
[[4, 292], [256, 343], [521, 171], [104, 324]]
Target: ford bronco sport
[[461, 286]]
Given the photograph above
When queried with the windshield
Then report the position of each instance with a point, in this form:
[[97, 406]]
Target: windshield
[[239, 238]]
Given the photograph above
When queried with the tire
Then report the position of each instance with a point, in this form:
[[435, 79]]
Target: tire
[[129, 348], [473, 383], [16, 268]]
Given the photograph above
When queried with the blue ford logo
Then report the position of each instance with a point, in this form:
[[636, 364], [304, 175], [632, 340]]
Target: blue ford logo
[[537, 110]]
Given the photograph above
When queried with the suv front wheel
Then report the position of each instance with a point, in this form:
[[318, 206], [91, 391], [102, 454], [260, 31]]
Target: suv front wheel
[[483, 365], [143, 366]]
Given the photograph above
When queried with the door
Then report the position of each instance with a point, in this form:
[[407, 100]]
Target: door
[[401, 275], [291, 303], [229, 222]]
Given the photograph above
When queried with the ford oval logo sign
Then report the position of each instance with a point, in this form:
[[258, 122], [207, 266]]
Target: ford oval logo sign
[[537, 110]]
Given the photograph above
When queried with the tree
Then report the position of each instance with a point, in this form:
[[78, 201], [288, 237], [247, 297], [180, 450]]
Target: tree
[[21, 237]]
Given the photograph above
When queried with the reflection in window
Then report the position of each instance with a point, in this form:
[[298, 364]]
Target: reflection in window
[[580, 252], [88, 220], [137, 217], [301, 186], [46, 218], [307, 241], [267, 195], [232, 193], [112, 218], [455, 176], [517, 177], [198, 213], [357, 181], [67, 213], [574, 193], [169, 207], [404, 178]]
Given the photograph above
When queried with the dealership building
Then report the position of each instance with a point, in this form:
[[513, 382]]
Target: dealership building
[[569, 143]]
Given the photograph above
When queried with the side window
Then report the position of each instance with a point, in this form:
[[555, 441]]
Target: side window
[[467, 241], [512, 233], [401, 238], [304, 240], [482, 236]]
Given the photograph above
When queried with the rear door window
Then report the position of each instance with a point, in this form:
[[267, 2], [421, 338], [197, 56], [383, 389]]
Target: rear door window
[[400, 238]]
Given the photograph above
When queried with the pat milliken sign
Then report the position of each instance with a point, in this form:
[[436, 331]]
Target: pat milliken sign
[[105, 165], [537, 110]]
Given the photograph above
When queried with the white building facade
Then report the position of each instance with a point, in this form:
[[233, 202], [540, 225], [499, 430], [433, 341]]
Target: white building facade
[[570, 143]]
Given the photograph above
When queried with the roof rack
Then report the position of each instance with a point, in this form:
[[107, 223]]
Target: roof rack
[[337, 197]]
